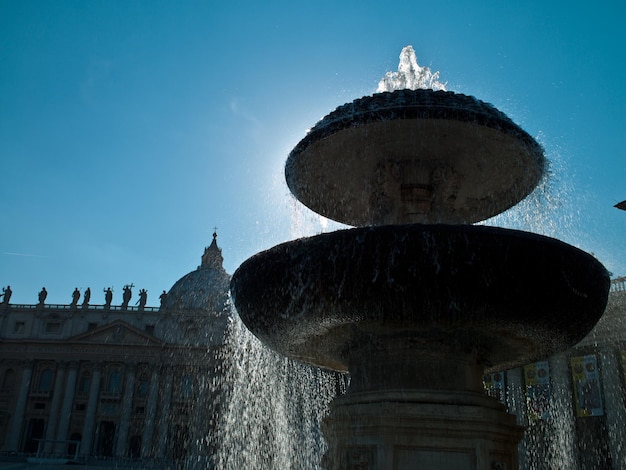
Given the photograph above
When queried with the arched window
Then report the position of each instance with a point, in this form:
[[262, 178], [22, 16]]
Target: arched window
[[45, 380], [84, 382], [186, 387], [114, 386], [8, 381]]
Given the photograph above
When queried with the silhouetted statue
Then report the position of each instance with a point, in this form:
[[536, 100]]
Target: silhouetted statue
[[126, 296], [163, 298], [6, 293], [108, 297], [75, 297], [143, 298], [42, 295], [86, 297]]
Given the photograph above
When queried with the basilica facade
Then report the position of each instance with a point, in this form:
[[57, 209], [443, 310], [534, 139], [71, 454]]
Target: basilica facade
[[84, 381]]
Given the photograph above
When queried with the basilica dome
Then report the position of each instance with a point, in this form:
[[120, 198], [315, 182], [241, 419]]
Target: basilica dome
[[204, 290], [199, 301]]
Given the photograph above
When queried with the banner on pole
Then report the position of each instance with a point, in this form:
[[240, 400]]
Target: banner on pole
[[538, 392], [586, 380]]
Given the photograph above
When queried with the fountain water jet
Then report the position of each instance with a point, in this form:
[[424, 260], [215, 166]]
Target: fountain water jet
[[410, 75], [416, 309], [257, 383]]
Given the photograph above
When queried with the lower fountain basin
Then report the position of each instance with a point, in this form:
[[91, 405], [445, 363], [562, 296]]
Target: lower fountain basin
[[507, 297]]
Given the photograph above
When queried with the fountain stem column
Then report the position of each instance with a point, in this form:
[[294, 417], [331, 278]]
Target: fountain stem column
[[419, 409], [385, 368]]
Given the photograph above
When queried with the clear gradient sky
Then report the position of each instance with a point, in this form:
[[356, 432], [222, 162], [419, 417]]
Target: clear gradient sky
[[129, 129]]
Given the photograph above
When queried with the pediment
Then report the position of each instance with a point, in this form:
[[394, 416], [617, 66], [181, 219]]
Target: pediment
[[117, 332]]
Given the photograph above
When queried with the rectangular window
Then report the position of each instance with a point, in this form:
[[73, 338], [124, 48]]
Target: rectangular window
[[53, 327], [139, 410], [80, 407], [19, 327], [150, 329], [39, 406], [92, 326]]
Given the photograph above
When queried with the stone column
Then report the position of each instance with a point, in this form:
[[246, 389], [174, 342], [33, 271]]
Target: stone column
[[148, 429], [165, 411], [53, 417], [90, 415], [15, 433], [66, 408], [614, 405], [127, 405]]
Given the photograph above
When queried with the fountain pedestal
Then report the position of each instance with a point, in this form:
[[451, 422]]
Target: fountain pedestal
[[418, 431], [420, 410]]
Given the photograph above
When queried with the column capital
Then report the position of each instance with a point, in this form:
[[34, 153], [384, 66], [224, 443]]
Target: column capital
[[70, 364]]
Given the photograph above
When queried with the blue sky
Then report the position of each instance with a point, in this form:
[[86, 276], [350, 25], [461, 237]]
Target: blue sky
[[129, 129]]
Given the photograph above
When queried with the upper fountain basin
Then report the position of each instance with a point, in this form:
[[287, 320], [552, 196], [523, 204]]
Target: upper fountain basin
[[414, 156], [512, 296]]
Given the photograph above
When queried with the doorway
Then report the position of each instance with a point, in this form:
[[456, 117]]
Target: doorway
[[34, 432], [106, 438]]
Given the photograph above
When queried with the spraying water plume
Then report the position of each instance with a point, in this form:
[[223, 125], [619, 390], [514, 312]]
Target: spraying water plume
[[410, 75]]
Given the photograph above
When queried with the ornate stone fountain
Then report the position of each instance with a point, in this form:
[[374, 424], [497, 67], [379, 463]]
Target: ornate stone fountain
[[416, 303]]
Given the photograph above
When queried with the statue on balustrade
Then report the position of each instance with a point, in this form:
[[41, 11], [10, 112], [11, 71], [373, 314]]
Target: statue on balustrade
[[86, 297], [75, 297], [42, 295], [6, 293], [143, 298], [108, 297], [126, 296]]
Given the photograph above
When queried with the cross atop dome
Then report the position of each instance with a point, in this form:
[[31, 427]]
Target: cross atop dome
[[212, 257]]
